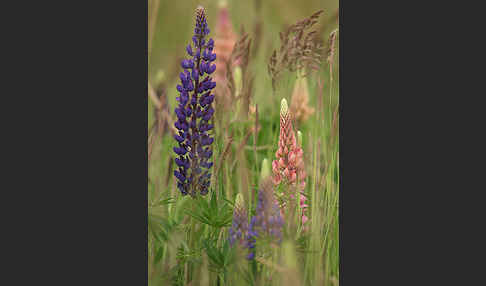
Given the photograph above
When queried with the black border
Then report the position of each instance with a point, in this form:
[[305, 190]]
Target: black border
[[84, 88]]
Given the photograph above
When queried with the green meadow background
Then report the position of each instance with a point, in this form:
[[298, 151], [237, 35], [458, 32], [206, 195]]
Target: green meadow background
[[177, 255]]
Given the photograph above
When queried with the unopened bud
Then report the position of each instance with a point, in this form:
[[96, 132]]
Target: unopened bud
[[239, 202], [159, 77], [222, 4], [284, 108], [265, 172]]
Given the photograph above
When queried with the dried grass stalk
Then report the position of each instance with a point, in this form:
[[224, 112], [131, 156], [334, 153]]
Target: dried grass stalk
[[224, 154], [240, 56], [331, 50], [163, 122]]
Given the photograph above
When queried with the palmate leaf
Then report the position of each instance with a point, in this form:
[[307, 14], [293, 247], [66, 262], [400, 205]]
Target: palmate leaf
[[225, 215], [232, 204], [155, 227], [160, 227], [180, 208], [210, 214], [220, 258], [164, 202], [200, 212], [158, 254], [229, 254], [215, 256]]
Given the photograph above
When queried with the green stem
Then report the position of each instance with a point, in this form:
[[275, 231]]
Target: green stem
[[192, 233]]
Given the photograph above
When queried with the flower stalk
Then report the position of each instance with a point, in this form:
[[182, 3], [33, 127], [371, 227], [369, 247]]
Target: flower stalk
[[194, 113], [288, 167]]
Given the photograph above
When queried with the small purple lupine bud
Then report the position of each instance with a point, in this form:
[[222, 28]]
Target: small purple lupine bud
[[187, 64], [190, 86], [188, 111], [178, 138], [193, 100], [195, 74], [202, 68], [211, 69], [210, 44], [203, 127], [180, 150], [239, 228], [209, 154], [180, 115], [179, 162], [205, 55], [189, 50]]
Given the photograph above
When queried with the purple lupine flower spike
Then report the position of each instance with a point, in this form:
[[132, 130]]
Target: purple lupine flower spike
[[194, 112], [267, 221], [239, 229]]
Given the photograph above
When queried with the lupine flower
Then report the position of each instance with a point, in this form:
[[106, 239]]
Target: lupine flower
[[194, 112], [299, 105], [225, 41], [239, 229], [225, 38], [267, 222], [288, 167], [289, 163]]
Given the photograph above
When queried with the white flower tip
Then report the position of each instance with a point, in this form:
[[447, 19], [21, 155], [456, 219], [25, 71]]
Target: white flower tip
[[284, 107], [200, 12], [239, 201], [222, 4]]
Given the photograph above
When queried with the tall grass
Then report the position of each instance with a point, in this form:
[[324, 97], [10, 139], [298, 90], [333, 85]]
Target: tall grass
[[188, 238]]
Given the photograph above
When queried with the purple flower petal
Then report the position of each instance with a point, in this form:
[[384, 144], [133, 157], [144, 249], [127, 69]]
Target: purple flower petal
[[180, 150], [189, 49]]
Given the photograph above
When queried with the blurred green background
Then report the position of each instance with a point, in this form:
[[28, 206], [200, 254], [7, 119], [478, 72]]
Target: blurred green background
[[171, 24], [171, 28]]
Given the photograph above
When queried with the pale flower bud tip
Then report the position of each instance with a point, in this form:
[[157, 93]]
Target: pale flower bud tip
[[299, 138], [239, 201], [284, 108], [222, 3], [159, 76], [265, 172]]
